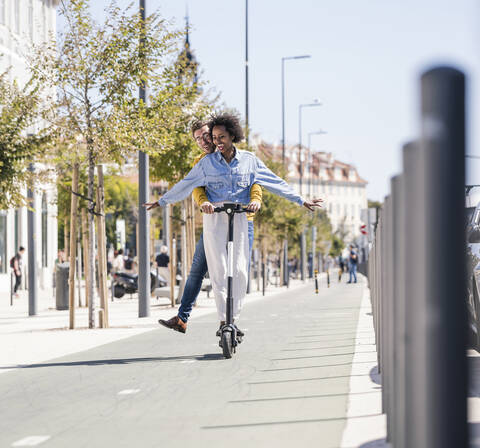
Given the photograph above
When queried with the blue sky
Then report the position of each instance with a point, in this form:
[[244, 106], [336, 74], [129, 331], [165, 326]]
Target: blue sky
[[367, 57]]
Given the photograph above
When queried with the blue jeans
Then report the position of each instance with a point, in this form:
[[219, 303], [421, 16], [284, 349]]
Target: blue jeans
[[197, 272], [352, 270]]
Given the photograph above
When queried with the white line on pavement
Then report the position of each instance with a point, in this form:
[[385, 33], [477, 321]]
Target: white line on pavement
[[129, 391], [187, 361], [31, 441]]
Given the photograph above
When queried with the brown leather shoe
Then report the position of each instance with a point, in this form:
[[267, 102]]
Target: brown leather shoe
[[175, 323]]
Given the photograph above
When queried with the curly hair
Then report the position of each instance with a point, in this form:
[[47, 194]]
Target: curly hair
[[198, 124], [231, 124]]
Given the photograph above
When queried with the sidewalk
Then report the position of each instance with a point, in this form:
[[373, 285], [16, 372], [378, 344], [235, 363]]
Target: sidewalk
[[32, 339]]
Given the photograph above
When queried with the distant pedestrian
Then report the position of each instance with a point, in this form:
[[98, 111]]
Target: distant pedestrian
[[352, 265], [163, 262], [118, 264], [341, 268], [16, 265]]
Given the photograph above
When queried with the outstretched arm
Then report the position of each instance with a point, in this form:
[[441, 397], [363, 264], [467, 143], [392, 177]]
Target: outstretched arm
[[195, 178], [266, 178]]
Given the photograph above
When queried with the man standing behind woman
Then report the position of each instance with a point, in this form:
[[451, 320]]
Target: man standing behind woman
[[228, 175]]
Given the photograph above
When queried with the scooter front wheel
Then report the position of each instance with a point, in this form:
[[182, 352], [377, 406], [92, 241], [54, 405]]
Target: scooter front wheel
[[227, 346]]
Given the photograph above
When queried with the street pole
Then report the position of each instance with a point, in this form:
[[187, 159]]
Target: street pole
[[300, 162], [143, 225], [32, 258], [246, 75], [283, 100]]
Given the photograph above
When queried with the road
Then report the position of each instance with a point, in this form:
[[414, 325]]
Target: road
[[287, 385]]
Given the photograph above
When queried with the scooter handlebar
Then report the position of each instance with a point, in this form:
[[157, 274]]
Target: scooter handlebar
[[236, 208]]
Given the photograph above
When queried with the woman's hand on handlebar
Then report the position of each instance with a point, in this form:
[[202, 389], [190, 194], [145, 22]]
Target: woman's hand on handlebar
[[151, 205], [254, 206], [207, 207], [313, 203]]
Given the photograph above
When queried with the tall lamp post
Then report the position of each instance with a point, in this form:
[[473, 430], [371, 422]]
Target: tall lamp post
[[288, 58], [300, 107], [246, 76], [309, 160], [143, 227]]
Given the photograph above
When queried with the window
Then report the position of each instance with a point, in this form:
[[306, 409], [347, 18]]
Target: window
[[44, 230], [338, 209], [3, 242], [17, 16], [2, 12], [353, 211], [30, 18]]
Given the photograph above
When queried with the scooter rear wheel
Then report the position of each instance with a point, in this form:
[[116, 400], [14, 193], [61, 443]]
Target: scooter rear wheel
[[227, 346]]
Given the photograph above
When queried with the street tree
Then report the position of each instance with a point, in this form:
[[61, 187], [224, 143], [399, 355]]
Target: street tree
[[20, 113], [97, 68]]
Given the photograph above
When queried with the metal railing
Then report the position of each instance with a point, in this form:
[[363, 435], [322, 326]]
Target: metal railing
[[417, 277]]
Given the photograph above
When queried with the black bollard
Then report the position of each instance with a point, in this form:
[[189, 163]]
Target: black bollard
[[443, 140]]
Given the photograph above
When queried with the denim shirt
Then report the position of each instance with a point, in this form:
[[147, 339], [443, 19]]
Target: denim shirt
[[229, 182]]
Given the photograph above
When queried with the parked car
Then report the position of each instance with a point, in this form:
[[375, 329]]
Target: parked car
[[473, 270]]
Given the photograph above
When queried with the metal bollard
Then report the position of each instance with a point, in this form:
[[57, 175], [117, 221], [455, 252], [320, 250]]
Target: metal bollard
[[389, 318], [398, 217], [415, 312], [328, 278], [443, 140], [316, 281]]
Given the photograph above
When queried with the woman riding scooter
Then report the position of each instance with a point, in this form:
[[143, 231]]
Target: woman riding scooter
[[227, 176]]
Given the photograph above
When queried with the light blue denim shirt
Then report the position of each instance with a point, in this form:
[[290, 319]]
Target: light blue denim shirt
[[229, 182]]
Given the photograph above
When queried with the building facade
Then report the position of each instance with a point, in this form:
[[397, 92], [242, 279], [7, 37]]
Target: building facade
[[320, 175], [21, 23]]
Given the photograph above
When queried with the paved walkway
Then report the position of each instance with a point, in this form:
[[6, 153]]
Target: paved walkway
[[305, 374]]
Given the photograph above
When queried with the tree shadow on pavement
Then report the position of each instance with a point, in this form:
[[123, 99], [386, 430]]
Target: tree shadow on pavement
[[100, 362], [474, 367], [375, 376], [474, 429], [379, 443]]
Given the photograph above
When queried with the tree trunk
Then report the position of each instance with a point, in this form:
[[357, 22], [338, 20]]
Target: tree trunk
[[73, 244], [173, 261], [184, 251], [79, 261], [85, 254], [91, 238], [102, 247], [66, 244]]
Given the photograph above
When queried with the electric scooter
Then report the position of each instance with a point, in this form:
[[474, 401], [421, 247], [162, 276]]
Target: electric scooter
[[228, 333]]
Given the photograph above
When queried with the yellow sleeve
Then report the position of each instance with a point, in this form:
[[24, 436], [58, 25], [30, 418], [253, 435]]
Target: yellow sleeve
[[199, 195], [256, 193]]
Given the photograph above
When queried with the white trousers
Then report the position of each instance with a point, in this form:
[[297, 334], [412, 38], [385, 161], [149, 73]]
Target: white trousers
[[215, 237]]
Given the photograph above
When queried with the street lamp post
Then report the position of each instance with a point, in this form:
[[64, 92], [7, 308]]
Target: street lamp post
[[143, 227], [283, 99], [300, 107], [309, 161], [246, 76]]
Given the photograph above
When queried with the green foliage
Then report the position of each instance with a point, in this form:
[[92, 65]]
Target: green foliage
[[96, 69], [279, 219], [374, 204], [21, 109], [337, 246], [121, 199]]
